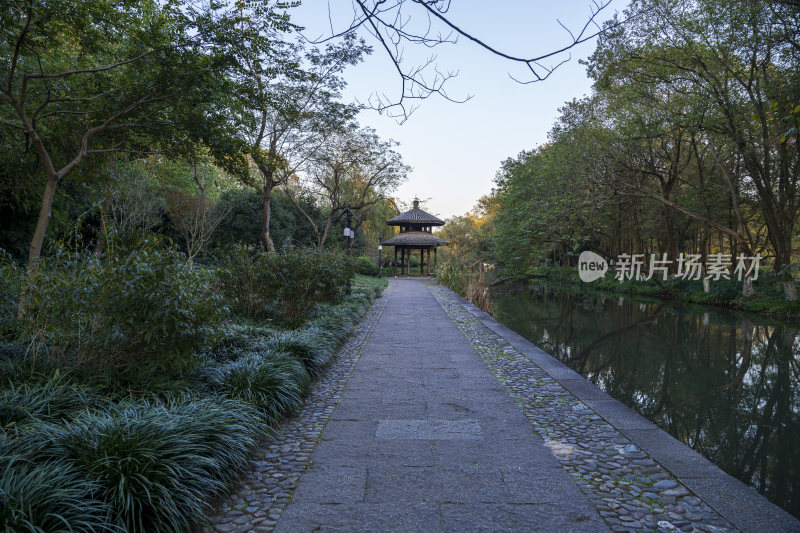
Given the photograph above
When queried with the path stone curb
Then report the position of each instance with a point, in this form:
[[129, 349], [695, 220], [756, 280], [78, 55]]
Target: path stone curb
[[279, 462], [629, 489]]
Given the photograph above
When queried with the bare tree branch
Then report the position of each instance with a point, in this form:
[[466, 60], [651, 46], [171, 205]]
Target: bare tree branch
[[390, 25]]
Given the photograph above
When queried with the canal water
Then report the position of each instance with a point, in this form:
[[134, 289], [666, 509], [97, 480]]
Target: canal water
[[726, 384]]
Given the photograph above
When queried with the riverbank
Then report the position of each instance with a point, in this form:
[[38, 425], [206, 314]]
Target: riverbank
[[657, 489], [720, 381], [768, 299]]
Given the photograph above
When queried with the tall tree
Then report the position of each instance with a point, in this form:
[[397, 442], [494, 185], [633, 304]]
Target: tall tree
[[283, 99], [354, 169], [739, 59], [77, 78]]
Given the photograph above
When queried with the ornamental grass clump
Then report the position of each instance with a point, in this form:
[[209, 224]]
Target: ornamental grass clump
[[52, 401], [153, 479], [54, 495], [336, 320], [228, 428], [312, 346], [276, 383], [157, 466]]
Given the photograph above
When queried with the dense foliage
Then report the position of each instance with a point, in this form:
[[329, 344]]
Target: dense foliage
[[290, 283], [687, 144], [146, 308], [184, 119]]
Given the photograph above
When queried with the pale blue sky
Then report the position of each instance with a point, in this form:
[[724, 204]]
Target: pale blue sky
[[456, 149]]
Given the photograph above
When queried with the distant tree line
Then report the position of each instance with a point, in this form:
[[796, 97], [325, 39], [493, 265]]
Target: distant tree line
[[687, 144]]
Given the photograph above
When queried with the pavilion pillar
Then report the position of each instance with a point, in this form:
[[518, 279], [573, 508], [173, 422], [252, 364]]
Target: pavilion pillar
[[435, 263], [395, 261], [429, 262]]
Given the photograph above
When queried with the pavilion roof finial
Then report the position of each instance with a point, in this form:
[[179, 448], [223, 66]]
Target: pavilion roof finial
[[416, 203]]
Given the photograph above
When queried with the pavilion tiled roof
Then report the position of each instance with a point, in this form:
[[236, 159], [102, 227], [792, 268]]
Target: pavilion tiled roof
[[415, 216], [415, 238]]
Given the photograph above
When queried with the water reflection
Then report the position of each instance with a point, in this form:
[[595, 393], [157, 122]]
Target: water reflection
[[723, 383]]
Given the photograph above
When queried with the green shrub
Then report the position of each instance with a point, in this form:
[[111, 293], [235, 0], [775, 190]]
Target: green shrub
[[10, 279], [17, 366], [309, 276], [149, 309], [292, 281], [50, 496], [366, 266], [246, 282], [456, 275]]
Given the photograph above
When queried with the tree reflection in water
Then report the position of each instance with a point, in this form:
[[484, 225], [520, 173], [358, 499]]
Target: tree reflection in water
[[724, 383]]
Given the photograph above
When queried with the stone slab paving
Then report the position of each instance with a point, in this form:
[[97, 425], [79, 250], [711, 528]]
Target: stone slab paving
[[426, 439]]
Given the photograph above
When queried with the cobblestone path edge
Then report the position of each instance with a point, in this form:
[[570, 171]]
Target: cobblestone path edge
[[277, 465], [599, 441]]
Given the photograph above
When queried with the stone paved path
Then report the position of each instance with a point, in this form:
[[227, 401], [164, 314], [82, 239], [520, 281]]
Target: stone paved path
[[431, 421], [426, 439]]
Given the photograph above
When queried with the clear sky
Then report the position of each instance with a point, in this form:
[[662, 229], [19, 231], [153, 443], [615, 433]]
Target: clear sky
[[455, 149]]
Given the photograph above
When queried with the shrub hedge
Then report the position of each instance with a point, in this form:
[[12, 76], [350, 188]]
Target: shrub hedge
[[366, 266], [147, 308], [290, 283]]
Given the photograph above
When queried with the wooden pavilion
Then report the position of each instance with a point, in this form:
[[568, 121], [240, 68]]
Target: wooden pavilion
[[416, 233]]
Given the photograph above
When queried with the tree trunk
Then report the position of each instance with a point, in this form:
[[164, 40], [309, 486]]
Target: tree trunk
[[35, 249], [747, 287], [783, 258], [302, 211], [790, 291], [325, 232], [671, 223], [267, 211]]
